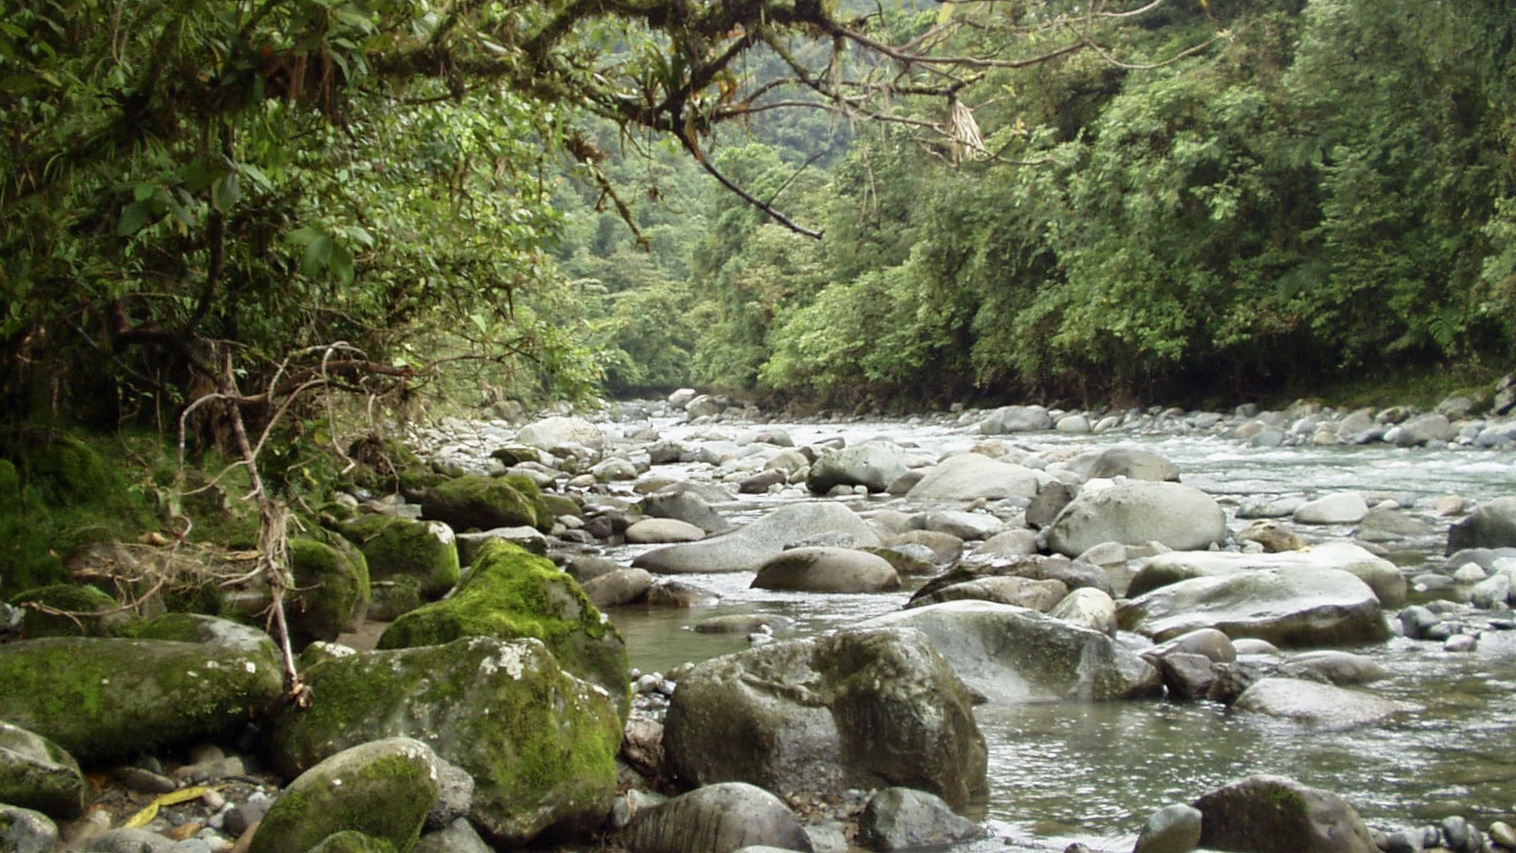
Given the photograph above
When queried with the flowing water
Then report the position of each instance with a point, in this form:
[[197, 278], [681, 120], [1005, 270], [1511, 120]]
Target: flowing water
[[1093, 771]]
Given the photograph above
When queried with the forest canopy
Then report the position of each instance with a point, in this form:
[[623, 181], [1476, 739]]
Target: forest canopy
[[1058, 198]]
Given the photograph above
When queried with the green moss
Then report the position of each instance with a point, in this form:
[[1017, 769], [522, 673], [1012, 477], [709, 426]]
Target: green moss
[[332, 587], [541, 747], [384, 799], [550, 506], [512, 593], [58, 492], [399, 547], [79, 602], [484, 503]]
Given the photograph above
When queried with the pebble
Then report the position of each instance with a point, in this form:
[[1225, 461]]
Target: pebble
[[1502, 833]]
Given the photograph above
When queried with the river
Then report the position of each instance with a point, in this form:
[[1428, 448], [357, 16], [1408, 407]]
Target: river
[[1093, 772]]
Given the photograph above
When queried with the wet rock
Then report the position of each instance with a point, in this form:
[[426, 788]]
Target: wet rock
[[678, 595], [1133, 464], [618, 588], [556, 432], [1273, 814], [972, 476], [827, 570], [873, 465], [946, 548], [906, 819], [1172, 829], [749, 546], [1179, 516], [1319, 705], [1340, 508], [1490, 525], [1015, 419], [660, 530], [860, 708], [1186, 675], [1040, 595], [717, 818], [1288, 606], [966, 526], [688, 505], [1087, 607], [1269, 507], [1272, 536], [1016, 655], [1382, 576], [1334, 667], [1212, 644]]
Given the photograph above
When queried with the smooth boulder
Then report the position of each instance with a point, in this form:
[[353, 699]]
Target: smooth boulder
[[1180, 517], [1490, 525], [717, 818], [1322, 706], [1382, 576], [1015, 655], [873, 465], [824, 569], [382, 789], [855, 709], [1287, 606], [972, 476], [1274, 814], [746, 548], [36, 773], [907, 819]]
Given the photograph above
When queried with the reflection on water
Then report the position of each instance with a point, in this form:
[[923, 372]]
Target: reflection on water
[[1094, 772]]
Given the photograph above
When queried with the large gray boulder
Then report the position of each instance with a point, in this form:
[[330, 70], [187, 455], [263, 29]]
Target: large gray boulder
[[1382, 576], [1129, 462], [1323, 706], [972, 476], [873, 465], [1016, 655], [687, 505], [398, 775], [717, 818], [1181, 517], [856, 709], [1273, 814], [540, 744], [824, 569], [907, 819], [1491, 525], [184, 678], [749, 546], [1288, 606], [1009, 419], [551, 433]]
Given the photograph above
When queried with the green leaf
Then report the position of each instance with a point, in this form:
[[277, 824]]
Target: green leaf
[[134, 217], [226, 192], [318, 255], [341, 264]]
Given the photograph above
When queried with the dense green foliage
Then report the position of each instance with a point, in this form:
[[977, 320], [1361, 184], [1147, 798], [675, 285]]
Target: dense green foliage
[[1327, 191]]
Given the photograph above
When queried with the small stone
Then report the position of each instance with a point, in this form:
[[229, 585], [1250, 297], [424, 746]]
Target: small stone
[[1403, 842], [1460, 836], [1502, 833], [144, 781], [1470, 573], [1172, 829], [1461, 643]]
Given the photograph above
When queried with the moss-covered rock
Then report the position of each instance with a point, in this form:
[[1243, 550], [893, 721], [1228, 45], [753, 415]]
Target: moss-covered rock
[[513, 593], [332, 590], [36, 773], [540, 744], [104, 698], [477, 501], [551, 506], [66, 610], [381, 790], [399, 547]]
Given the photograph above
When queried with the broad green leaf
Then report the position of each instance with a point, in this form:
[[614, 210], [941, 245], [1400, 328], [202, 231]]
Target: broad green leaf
[[134, 217], [318, 254], [341, 264], [226, 192]]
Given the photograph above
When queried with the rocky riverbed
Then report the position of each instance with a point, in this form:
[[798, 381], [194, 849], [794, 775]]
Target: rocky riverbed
[[938, 578]]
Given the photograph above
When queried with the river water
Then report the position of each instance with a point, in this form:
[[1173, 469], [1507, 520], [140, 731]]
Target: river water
[[1093, 772]]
